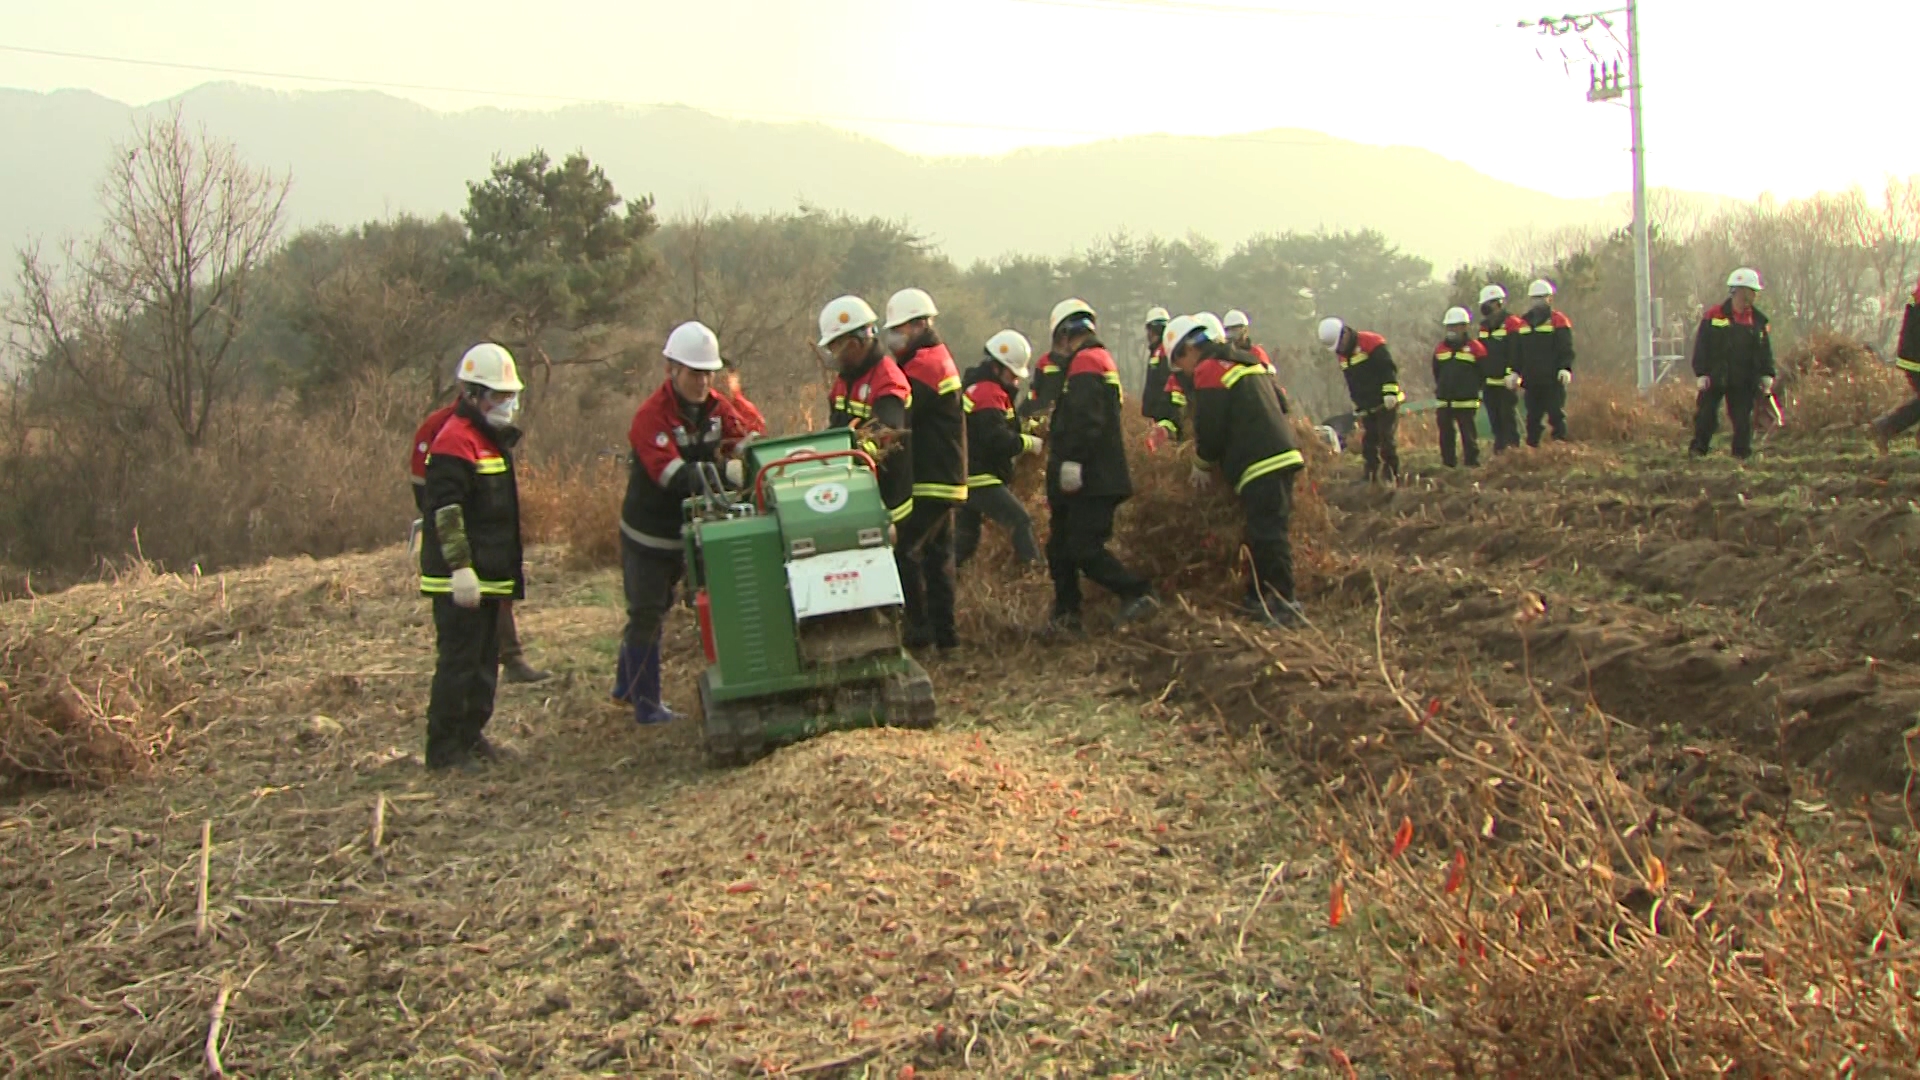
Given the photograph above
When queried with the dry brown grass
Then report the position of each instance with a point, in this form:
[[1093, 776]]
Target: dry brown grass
[[1835, 383], [575, 504]]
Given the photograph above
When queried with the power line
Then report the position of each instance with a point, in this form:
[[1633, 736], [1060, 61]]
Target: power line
[[760, 114]]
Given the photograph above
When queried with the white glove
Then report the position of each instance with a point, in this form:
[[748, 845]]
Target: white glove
[[1070, 480], [1035, 444], [1566, 377], [1200, 478], [736, 473], [1703, 383], [1513, 380], [466, 587], [1391, 401], [1766, 384]]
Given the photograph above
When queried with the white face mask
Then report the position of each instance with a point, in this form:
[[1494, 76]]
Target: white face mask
[[896, 340], [502, 415]]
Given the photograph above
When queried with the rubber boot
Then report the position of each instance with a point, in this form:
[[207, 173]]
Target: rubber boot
[[647, 706], [623, 678]]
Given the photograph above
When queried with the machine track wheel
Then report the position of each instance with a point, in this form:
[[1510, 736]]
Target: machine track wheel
[[910, 701]]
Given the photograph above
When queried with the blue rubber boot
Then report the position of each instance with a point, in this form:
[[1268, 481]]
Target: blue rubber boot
[[623, 679], [647, 706]]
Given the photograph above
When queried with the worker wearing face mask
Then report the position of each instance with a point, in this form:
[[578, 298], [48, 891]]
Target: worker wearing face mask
[[1457, 383], [1732, 365], [470, 553], [1543, 355]]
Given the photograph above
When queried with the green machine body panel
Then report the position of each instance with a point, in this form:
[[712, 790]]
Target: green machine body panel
[[811, 519]]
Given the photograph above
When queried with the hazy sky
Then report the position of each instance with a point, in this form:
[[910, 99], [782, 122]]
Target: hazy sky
[[1741, 97]]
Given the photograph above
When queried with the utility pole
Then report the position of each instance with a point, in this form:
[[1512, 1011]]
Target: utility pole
[[1608, 85]]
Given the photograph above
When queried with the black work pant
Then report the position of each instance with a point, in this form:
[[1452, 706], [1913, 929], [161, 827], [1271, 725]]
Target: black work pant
[[1739, 399], [1377, 448], [1546, 408], [648, 576], [1503, 416], [1461, 418], [466, 672], [923, 553], [509, 634], [1268, 503], [998, 503], [1906, 414], [1078, 529]]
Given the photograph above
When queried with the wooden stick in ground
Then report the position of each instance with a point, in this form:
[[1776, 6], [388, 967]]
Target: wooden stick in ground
[[1240, 943], [219, 1016], [379, 820], [206, 856]]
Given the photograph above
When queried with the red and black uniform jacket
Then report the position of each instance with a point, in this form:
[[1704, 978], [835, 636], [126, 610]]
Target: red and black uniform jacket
[[1907, 353], [1543, 346], [1456, 373], [1043, 389], [876, 392], [937, 416], [470, 465], [1370, 371], [1239, 419], [1260, 354], [423, 442], [1499, 335], [1086, 427], [668, 436], [993, 431], [1154, 403], [1174, 395], [1733, 350]]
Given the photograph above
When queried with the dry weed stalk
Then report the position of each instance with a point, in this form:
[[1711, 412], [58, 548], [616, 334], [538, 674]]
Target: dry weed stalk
[[1561, 920]]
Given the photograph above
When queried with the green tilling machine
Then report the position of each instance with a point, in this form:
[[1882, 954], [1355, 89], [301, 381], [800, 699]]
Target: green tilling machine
[[799, 601]]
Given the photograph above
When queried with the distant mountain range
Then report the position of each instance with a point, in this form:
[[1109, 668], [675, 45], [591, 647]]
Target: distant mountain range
[[356, 155]]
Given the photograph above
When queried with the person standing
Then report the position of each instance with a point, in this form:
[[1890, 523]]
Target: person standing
[[1087, 476], [937, 439], [1500, 380], [1543, 355], [1907, 357], [1373, 384], [471, 558], [1732, 365], [1457, 384], [994, 442], [1239, 330], [1154, 394], [513, 659], [1240, 427]]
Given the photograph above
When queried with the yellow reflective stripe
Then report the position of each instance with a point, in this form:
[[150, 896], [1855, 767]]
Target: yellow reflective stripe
[[1464, 357], [489, 466], [1722, 322], [445, 585], [1524, 330], [1461, 404], [1029, 443], [1502, 332], [1240, 371], [902, 512], [854, 408], [980, 480], [1356, 358], [1905, 364], [966, 404], [1179, 399], [950, 492], [1389, 388], [1289, 460], [949, 384], [1172, 428], [1011, 414]]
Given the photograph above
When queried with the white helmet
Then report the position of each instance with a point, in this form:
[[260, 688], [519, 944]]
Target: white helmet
[[907, 305], [1216, 330], [1492, 293], [1011, 347], [1157, 315], [843, 317], [1330, 329], [1177, 331], [1744, 278], [1236, 319], [1540, 288], [491, 366], [1456, 316], [693, 345], [1067, 309]]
